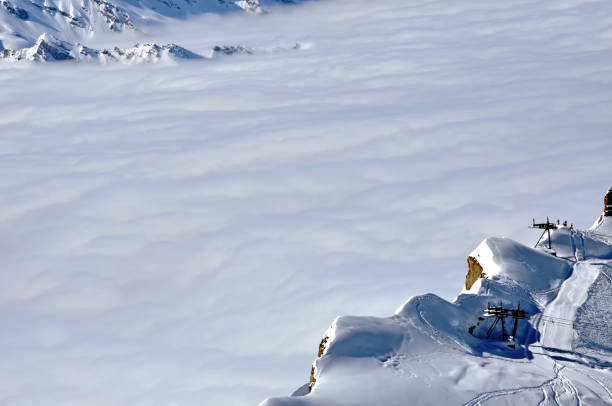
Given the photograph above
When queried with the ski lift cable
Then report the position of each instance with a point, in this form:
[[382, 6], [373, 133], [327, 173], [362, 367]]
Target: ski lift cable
[[566, 321]]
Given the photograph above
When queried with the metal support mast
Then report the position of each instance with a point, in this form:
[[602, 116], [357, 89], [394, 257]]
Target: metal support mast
[[500, 313], [546, 227]]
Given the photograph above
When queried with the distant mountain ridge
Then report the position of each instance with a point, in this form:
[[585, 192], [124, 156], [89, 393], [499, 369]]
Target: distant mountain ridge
[[23, 22], [49, 48]]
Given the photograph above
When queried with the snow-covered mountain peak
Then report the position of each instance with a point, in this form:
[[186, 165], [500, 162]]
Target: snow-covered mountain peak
[[509, 262], [78, 21], [69, 20], [536, 320], [48, 49], [153, 53]]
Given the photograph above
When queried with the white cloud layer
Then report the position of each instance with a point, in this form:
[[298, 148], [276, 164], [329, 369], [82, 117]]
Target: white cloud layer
[[184, 234]]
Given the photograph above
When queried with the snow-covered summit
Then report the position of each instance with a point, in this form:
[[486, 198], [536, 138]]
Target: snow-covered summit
[[46, 48], [433, 352]]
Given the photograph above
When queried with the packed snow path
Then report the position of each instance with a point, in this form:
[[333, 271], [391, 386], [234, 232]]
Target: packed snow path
[[575, 330], [587, 290], [557, 327]]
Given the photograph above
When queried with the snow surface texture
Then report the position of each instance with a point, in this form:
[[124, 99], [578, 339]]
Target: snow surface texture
[[185, 234], [424, 352]]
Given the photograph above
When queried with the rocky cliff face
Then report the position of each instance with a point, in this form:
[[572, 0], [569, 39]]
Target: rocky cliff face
[[475, 272], [116, 18]]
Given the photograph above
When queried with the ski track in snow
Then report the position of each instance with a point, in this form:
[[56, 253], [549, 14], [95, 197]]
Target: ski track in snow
[[555, 336], [559, 390], [558, 378], [571, 296]]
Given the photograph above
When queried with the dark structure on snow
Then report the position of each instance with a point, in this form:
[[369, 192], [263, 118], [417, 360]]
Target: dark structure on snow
[[546, 227], [608, 203]]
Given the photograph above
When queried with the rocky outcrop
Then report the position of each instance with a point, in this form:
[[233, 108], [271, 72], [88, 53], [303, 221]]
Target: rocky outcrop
[[322, 348], [139, 53], [116, 17], [247, 5], [475, 272], [153, 53], [232, 50], [228, 50]]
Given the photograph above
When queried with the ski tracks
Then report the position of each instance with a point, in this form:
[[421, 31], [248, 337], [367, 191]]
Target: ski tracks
[[547, 388], [571, 296], [556, 391], [577, 240]]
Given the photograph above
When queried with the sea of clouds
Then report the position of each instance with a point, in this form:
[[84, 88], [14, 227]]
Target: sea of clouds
[[183, 234]]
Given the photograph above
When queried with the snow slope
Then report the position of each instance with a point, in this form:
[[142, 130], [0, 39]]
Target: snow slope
[[425, 353], [569, 299]]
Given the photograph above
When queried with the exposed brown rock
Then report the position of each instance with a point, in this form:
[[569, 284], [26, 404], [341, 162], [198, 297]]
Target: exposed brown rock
[[322, 348], [313, 380], [475, 272]]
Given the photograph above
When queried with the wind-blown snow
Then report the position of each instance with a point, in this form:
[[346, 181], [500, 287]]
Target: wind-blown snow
[[184, 234]]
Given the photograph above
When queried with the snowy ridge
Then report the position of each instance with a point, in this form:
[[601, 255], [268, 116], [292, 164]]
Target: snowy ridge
[[28, 18], [23, 22], [49, 49], [47, 31], [437, 352], [139, 53]]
